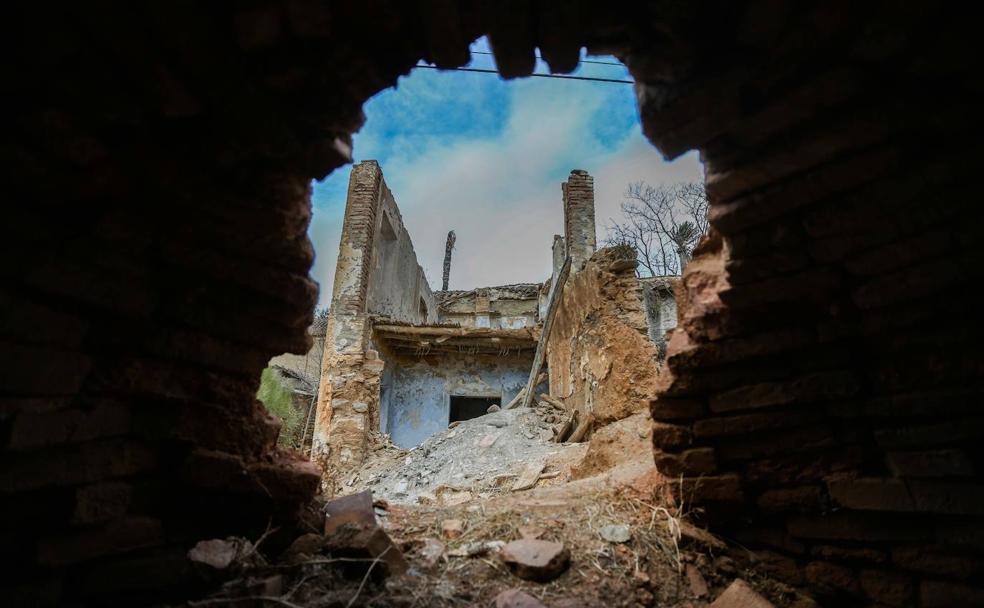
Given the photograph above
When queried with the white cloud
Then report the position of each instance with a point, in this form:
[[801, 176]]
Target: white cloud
[[502, 195]]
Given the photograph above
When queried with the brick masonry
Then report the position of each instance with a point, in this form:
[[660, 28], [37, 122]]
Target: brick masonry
[[159, 161]]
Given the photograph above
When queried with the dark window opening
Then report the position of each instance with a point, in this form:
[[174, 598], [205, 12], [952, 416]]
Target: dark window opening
[[466, 408]]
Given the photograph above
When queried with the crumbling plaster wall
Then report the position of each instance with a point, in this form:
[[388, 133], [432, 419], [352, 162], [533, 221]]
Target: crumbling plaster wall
[[599, 356], [377, 274], [659, 296], [417, 402], [504, 307], [397, 286]]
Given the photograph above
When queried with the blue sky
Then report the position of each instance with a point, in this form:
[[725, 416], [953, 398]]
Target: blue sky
[[486, 157]]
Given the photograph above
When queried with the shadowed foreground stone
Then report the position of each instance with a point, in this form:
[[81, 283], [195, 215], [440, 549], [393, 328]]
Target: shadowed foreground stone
[[740, 595], [514, 598], [536, 560]]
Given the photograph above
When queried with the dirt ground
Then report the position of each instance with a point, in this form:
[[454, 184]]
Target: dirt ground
[[451, 503], [665, 561]]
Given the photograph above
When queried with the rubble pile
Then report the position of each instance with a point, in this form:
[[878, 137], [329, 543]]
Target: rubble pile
[[475, 458]]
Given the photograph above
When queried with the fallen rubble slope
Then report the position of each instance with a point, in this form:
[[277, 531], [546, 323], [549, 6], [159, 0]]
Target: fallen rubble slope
[[475, 458]]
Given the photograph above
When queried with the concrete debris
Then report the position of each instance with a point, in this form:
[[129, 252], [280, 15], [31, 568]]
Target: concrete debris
[[616, 533], [303, 548], [487, 441], [740, 595], [452, 528], [219, 554], [352, 509], [352, 531], [698, 586], [528, 478], [535, 560], [515, 598], [467, 461], [431, 552], [493, 408], [477, 548]]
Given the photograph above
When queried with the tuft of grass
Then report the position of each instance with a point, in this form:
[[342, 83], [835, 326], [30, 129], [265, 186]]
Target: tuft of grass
[[280, 402], [623, 250]]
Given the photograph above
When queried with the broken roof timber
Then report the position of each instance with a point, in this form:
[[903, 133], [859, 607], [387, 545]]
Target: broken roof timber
[[523, 335]]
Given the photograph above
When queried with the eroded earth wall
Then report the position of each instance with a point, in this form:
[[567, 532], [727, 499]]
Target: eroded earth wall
[[599, 356]]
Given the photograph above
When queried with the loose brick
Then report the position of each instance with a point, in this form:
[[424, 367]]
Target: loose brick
[[671, 436], [872, 494], [803, 498], [698, 461], [887, 588]]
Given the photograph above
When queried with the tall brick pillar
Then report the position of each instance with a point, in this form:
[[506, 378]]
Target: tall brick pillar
[[579, 217], [349, 386]]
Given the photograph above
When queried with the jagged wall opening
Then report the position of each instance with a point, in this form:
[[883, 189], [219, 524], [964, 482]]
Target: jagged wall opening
[[825, 381]]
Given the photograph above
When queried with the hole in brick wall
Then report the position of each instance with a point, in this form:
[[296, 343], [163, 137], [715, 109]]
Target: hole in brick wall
[[824, 394]]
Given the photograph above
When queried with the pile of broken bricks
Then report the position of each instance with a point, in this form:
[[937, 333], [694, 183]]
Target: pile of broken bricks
[[355, 547]]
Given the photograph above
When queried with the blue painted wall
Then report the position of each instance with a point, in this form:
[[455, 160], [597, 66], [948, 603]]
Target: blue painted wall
[[415, 402]]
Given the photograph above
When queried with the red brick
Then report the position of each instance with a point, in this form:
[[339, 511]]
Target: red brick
[[815, 387], [101, 502], [830, 578], [803, 498], [676, 409], [860, 527], [935, 560], [849, 554], [942, 594], [70, 425], [887, 588], [115, 537], [874, 494], [697, 461], [949, 497], [671, 436], [721, 488], [750, 423], [931, 463]]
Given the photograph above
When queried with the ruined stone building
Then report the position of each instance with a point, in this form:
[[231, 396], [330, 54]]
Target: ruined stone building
[[407, 361], [820, 402]]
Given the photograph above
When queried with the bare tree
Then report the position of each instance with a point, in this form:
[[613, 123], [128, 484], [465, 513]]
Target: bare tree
[[663, 223]]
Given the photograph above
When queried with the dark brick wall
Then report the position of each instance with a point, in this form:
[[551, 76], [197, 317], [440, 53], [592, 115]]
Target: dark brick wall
[[825, 379]]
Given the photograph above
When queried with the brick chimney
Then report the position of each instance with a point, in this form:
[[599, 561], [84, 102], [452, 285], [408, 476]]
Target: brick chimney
[[579, 217]]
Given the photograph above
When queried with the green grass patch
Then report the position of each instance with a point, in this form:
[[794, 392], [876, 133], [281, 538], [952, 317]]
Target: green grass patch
[[280, 402]]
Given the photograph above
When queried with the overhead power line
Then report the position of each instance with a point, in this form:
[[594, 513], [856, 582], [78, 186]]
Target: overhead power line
[[622, 65], [558, 76]]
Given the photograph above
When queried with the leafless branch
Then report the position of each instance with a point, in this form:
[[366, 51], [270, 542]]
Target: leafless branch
[[663, 223]]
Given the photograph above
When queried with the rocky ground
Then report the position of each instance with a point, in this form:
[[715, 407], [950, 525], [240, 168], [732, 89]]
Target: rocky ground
[[492, 512], [612, 540]]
